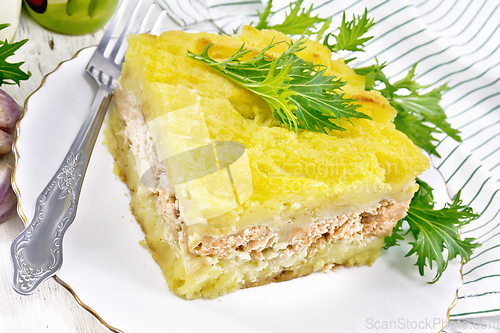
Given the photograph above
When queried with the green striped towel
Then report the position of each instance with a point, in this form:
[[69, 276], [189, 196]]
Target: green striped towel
[[454, 41]]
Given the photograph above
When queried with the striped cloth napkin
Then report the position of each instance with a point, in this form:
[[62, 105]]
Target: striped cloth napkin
[[453, 41]]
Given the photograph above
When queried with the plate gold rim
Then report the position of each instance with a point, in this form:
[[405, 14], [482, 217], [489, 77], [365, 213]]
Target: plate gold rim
[[461, 264], [68, 287]]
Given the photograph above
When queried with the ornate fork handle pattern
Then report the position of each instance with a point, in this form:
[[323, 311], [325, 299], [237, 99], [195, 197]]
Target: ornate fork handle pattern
[[37, 250]]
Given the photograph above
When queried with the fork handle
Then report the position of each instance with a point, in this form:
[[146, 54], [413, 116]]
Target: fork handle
[[37, 251]]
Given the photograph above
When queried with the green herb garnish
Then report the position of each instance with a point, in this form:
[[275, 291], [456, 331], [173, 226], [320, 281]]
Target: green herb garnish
[[416, 110], [298, 21], [434, 230], [11, 73], [350, 36], [298, 92]]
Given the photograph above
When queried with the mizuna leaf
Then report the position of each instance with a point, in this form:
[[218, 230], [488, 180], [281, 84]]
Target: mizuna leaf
[[298, 92], [298, 21], [350, 36], [436, 230]]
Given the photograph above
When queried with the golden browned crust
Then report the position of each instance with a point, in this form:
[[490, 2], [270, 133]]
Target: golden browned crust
[[366, 97]]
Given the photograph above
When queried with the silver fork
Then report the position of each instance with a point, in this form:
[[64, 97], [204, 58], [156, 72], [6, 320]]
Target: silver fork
[[37, 251]]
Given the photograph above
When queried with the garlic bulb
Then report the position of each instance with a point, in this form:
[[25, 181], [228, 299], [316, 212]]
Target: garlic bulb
[[8, 199], [10, 112], [6, 141]]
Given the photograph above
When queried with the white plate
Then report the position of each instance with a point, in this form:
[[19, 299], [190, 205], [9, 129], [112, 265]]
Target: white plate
[[112, 274]]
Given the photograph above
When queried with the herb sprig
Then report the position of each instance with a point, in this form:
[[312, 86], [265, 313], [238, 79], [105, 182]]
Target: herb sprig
[[298, 92], [416, 110], [350, 36], [434, 230], [298, 21], [11, 73]]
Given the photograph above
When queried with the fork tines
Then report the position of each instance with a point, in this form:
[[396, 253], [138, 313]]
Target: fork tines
[[106, 62]]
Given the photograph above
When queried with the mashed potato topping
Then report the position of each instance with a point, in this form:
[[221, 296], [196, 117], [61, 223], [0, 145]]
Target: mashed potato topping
[[291, 173], [317, 199]]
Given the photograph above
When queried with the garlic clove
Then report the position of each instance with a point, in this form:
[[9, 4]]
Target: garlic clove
[[8, 199], [10, 112], [6, 141]]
